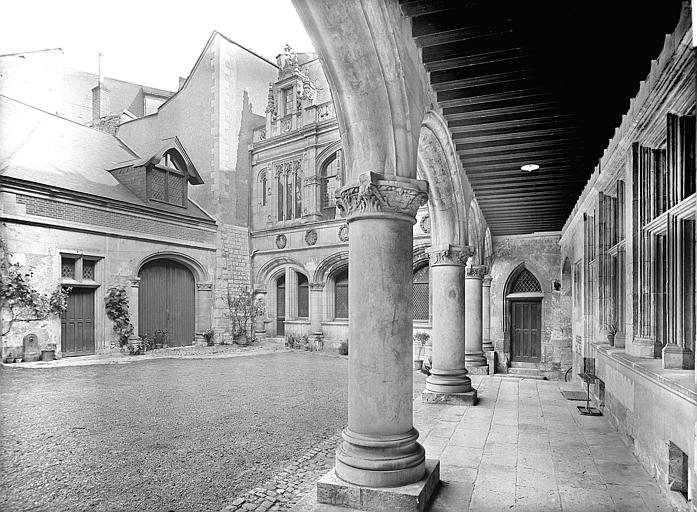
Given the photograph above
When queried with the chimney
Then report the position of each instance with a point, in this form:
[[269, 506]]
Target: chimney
[[100, 107]]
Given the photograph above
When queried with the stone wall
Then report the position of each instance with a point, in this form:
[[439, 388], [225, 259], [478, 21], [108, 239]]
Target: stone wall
[[540, 253], [232, 273]]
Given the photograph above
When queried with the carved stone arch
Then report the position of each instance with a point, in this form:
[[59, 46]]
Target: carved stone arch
[[513, 276], [200, 273], [264, 173], [420, 257], [267, 272], [440, 166], [474, 233], [326, 153], [329, 266]]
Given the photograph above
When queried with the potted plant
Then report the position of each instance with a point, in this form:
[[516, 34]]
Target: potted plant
[[420, 339], [49, 353], [208, 335], [160, 338], [611, 330]]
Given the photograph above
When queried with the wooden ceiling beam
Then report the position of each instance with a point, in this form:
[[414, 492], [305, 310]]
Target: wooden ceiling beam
[[434, 37], [487, 99], [481, 149], [523, 108], [473, 59], [552, 120], [519, 134], [479, 81]]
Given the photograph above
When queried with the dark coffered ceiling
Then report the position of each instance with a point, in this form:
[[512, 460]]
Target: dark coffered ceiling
[[535, 82]]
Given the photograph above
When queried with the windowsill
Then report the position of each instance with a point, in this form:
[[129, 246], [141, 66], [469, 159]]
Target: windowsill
[[297, 321], [680, 382], [82, 284]]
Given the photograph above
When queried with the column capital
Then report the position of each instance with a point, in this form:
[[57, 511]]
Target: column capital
[[316, 286], [204, 287], [449, 254], [134, 282], [374, 195], [486, 281], [476, 271]]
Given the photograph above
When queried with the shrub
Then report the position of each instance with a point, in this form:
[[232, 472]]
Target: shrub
[[343, 348]]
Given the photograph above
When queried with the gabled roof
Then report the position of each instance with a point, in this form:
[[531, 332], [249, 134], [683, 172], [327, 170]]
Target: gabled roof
[[169, 144], [39, 147]]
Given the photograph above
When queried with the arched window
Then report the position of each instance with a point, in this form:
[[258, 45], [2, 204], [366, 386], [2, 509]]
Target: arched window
[[330, 181], [526, 283], [341, 297], [421, 293], [262, 188], [303, 297]]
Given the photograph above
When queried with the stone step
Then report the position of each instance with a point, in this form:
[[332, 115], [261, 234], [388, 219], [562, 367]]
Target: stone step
[[523, 364], [517, 376], [523, 371]]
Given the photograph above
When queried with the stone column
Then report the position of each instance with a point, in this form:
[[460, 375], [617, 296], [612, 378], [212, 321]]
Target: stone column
[[312, 200], [448, 382], [486, 314], [474, 356], [260, 324], [291, 294], [133, 292], [316, 312], [379, 447]]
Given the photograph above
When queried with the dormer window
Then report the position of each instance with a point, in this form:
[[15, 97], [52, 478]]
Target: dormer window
[[167, 180]]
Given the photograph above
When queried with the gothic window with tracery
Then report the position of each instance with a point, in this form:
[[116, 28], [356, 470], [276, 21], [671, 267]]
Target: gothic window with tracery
[[526, 283], [289, 185]]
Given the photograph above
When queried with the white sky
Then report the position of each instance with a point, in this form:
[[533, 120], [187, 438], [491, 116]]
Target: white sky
[[149, 42]]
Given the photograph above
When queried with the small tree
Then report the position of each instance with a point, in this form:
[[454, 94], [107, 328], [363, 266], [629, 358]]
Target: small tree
[[116, 305], [244, 310], [19, 300]]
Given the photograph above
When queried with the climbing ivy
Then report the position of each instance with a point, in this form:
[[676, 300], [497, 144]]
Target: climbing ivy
[[116, 305], [19, 300]]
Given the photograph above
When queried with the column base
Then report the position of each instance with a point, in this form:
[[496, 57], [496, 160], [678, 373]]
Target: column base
[[448, 381], [676, 357], [416, 497], [472, 360], [491, 358], [380, 460], [469, 398]]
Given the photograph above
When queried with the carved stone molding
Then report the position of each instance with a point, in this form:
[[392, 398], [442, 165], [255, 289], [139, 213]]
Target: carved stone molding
[[373, 194], [487, 280], [449, 254], [316, 286], [135, 282], [476, 271], [312, 180], [281, 241], [311, 237], [425, 224], [285, 168], [204, 287], [344, 233]]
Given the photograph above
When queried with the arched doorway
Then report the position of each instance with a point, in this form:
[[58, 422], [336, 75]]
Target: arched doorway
[[166, 301], [524, 301]]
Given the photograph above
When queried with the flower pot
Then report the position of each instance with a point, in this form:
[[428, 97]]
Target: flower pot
[[418, 363], [241, 339], [611, 339], [48, 355]]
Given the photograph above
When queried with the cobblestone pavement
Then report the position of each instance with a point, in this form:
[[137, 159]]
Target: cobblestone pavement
[[287, 487], [163, 435]]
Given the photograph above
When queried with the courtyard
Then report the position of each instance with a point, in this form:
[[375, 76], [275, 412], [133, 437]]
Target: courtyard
[[255, 432]]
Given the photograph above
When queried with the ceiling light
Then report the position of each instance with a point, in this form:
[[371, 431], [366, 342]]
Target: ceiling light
[[529, 167]]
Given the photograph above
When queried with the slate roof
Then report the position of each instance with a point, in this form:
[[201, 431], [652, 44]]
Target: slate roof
[[40, 147]]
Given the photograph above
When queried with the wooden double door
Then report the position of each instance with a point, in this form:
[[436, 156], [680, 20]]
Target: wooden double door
[[166, 301], [526, 322], [77, 323]]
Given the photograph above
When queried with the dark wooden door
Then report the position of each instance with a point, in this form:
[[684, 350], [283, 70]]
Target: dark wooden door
[[281, 306], [77, 323], [166, 301], [525, 331]]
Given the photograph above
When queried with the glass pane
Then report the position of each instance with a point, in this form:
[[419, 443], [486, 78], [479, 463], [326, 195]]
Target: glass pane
[[68, 268], [289, 197], [88, 270], [176, 189], [157, 184], [421, 301], [280, 198], [526, 283], [341, 300]]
